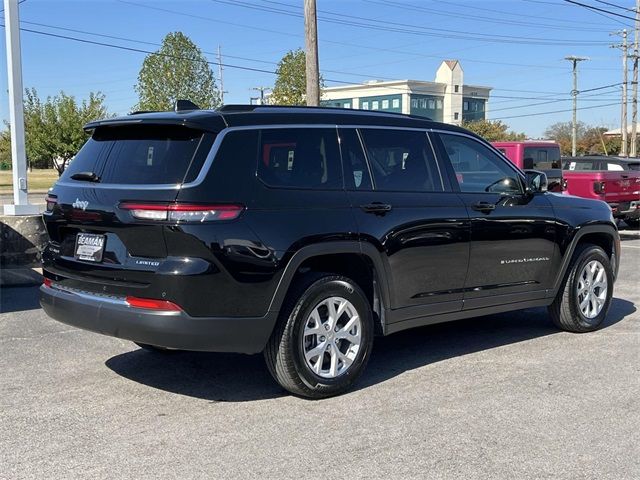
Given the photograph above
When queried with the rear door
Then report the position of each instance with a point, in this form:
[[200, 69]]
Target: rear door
[[405, 207], [128, 164], [512, 233]]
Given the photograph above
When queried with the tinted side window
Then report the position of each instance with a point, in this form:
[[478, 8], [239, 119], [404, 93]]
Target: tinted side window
[[300, 158], [401, 161], [478, 168], [357, 175]]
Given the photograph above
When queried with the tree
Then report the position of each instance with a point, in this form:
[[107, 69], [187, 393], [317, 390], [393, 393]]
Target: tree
[[53, 129], [291, 83], [590, 139], [493, 130], [178, 70], [5, 150], [561, 133]]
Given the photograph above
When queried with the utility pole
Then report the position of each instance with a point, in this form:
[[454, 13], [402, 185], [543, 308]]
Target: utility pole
[[260, 99], [21, 204], [623, 116], [574, 131], [220, 69], [311, 47], [634, 85]]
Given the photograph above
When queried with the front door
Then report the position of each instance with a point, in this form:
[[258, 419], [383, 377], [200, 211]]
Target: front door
[[513, 233], [406, 209]]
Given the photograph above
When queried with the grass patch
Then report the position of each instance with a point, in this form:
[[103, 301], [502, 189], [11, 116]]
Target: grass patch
[[38, 180]]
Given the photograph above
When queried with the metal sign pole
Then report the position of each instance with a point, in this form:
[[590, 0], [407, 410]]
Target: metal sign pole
[[21, 204]]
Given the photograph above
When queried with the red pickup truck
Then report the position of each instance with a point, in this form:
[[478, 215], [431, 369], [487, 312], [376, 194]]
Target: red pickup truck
[[540, 155], [615, 181]]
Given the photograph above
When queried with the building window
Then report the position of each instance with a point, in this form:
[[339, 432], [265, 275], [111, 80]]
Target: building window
[[423, 103], [414, 103], [365, 105], [347, 105], [465, 106], [396, 103], [439, 104], [385, 104], [432, 104], [456, 88], [456, 115], [375, 105]]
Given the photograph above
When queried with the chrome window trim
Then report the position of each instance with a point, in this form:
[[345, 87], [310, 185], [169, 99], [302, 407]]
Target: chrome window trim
[[206, 165]]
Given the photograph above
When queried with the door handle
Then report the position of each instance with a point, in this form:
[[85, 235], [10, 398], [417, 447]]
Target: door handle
[[483, 207], [376, 207]]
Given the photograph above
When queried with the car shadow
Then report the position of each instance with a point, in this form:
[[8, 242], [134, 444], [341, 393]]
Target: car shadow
[[224, 377], [19, 298]]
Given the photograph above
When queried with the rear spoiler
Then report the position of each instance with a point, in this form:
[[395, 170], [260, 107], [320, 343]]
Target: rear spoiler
[[181, 122]]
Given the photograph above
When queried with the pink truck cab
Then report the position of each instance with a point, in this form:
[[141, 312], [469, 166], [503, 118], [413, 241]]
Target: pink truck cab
[[613, 180], [535, 155]]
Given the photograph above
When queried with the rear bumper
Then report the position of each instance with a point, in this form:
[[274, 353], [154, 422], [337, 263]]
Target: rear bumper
[[626, 209], [114, 317]]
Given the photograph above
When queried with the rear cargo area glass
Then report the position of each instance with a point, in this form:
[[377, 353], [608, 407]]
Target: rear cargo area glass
[[139, 155]]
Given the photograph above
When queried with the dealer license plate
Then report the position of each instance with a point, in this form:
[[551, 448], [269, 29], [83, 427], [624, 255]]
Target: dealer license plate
[[90, 247]]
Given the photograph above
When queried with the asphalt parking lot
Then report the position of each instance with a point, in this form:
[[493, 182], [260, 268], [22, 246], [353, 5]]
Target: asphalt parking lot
[[506, 396]]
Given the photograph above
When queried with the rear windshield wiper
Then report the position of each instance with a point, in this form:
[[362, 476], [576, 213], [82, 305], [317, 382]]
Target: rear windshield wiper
[[86, 176]]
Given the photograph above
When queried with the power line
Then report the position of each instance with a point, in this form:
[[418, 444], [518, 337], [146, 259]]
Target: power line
[[494, 19], [556, 111], [385, 25], [353, 45], [596, 9], [616, 6], [217, 63]]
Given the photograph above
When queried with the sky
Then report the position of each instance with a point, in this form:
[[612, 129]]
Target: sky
[[517, 47]]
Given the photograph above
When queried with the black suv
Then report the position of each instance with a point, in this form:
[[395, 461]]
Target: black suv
[[304, 232]]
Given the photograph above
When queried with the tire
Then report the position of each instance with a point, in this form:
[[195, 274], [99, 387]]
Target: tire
[[154, 348], [300, 332], [566, 310]]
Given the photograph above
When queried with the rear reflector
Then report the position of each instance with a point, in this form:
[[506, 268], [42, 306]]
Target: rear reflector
[[177, 212], [47, 282], [152, 304]]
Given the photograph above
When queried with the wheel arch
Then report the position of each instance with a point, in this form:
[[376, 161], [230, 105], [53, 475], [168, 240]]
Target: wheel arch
[[359, 261], [604, 236]]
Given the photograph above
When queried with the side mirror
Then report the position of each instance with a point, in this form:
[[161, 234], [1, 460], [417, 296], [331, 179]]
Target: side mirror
[[536, 181]]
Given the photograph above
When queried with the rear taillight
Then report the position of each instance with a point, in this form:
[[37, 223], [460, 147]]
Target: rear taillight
[[152, 304], [47, 282], [51, 200], [564, 184], [598, 187], [182, 212]]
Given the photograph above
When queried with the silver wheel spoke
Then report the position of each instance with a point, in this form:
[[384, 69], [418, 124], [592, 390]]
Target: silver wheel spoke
[[314, 352], [591, 289], [323, 337]]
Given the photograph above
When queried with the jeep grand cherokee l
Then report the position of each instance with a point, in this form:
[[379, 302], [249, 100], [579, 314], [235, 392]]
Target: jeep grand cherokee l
[[303, 232]]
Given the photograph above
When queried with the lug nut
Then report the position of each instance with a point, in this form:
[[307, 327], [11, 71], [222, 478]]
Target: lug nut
[[327, 327], [322, 339]]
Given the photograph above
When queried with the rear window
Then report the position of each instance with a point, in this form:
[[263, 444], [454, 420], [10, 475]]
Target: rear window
[[541, 158], [581, 166], [141, 155]]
